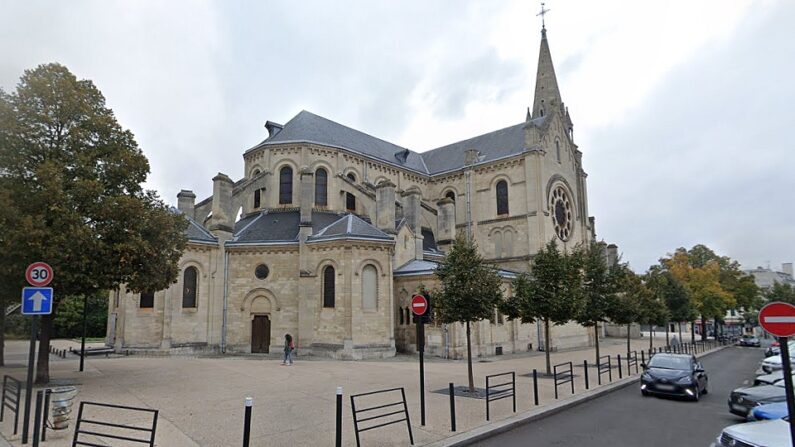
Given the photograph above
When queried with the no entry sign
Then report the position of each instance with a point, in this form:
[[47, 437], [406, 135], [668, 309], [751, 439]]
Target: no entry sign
[[419, 305], [38, 274], [778, 319]]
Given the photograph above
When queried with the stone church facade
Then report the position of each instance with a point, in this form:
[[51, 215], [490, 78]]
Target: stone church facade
[[338, 230]]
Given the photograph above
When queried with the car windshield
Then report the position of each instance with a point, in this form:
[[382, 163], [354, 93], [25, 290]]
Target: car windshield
[[669, 362], [748, 337]]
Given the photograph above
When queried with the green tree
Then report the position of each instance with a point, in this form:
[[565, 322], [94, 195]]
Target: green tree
[[599, 287], [781, 292], [73, 179], [470, 291], [626, 307], [672, 293], [652, 310], [552, 293], [68, 323]]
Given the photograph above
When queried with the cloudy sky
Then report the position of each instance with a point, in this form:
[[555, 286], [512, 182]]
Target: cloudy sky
[[682, 109]]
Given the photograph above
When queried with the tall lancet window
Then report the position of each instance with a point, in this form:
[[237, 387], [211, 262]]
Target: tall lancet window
[[502, 198], [286, 185], [321, 187]]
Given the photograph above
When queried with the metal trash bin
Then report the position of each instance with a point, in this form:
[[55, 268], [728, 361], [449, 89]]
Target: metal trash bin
[[62, 398]]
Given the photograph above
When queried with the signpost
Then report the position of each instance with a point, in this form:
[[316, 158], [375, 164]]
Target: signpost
[[778, 319], [36, 300], [419, 307]]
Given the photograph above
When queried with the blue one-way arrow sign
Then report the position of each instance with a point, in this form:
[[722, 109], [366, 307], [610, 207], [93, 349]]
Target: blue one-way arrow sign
[[37, 300]]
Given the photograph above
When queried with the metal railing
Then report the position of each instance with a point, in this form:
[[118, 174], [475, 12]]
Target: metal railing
[[563, 373], [388, 407], [12, 389], [632, 360], [605, 366], [95, 426], [500, 390]]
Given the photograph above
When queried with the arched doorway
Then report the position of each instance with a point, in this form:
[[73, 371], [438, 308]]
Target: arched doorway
[[260, 334]]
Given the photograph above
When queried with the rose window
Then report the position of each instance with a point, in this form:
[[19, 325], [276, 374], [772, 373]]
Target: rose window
[[560, 207]]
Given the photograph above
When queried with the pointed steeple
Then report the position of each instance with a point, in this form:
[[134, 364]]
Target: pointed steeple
[[547, 95]]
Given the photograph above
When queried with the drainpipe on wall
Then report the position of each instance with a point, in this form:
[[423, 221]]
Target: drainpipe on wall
[[226, 301]]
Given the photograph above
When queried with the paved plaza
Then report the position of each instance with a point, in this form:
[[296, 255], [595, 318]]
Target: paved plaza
[[201, 399]]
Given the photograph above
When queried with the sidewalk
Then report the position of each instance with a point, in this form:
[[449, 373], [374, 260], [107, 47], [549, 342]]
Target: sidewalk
[[201, 399]]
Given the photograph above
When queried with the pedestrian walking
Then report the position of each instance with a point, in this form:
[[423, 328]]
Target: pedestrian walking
[[675, 341], [289, 346]]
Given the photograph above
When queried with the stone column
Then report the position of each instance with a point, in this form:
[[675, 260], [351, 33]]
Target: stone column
[[222, 219], [385, 206], [446, 222], [412, 209], [186, 200], [307, 199]]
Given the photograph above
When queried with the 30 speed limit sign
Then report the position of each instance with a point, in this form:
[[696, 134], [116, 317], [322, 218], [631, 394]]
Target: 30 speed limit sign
[[38, 274]]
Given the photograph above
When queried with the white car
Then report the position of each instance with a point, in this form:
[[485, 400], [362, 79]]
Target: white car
[[773, 364], [771, 379], [772, 433]]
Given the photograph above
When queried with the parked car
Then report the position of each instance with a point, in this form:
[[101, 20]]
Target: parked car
[[773, 349], [749, 340], [769, 379], [674, 375], [765, 412], [773, 433], [743, 400]]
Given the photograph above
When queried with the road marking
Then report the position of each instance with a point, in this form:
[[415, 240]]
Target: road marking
[[779, 319]]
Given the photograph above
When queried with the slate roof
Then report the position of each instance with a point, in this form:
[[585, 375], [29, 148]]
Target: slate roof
[[283, 226], [308, 127], [196, 232], [349, 226], [417, 267]]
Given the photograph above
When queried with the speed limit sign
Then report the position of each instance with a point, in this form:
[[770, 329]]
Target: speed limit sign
[[38, 274]]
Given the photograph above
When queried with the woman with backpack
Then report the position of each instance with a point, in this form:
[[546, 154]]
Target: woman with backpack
[[288, 350]]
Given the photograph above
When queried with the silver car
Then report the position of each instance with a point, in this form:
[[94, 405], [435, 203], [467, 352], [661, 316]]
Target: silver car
[[772, 433]]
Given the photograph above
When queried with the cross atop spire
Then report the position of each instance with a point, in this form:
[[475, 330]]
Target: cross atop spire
[[543, 12]]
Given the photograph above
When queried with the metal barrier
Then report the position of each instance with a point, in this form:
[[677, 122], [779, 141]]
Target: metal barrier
[[500, 390], [12, 389], [632, 360], [604, 366], [565, 375], [401, 402], [129, 430]]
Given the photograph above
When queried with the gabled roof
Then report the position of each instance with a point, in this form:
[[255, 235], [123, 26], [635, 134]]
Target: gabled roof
[[273, 226], [350, 226], [416, 267]]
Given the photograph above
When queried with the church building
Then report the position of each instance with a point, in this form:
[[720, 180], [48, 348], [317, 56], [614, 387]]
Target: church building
[[339, 229]]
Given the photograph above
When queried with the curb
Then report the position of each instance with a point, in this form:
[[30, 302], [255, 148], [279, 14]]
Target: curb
[[496, 428]]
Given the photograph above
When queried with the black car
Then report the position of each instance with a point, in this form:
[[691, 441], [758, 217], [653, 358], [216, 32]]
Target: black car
[[674, 375], [743, 400], [749, 340]]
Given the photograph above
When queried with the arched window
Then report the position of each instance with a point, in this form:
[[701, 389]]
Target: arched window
[[557, 150], [350, 199], [507, 244], [369, 288], [189, 284], [328, 286], [147, 300], [321, 187], [401, 316], [502, 197], [286, 185], [450, 195], [257, 198], [497, 239]]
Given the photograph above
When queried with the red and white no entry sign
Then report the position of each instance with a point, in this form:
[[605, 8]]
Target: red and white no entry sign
[[778, 319], [38, 274], [419, 305]]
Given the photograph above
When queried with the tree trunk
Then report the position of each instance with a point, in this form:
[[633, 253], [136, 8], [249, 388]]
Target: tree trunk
[[469, 361], [629, 327], [596, 340], [43, 362], [715, 327], [548, 347], [651, 337], [667, 341], [703, 328], [3, 335], [680, 330], [693, 331]]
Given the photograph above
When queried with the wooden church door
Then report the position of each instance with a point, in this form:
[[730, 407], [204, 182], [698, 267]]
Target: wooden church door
[[260, 334]]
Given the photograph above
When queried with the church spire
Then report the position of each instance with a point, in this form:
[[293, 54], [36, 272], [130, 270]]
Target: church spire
[[547, 94]]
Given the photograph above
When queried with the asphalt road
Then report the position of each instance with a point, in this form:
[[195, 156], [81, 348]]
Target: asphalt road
[[625, 418]]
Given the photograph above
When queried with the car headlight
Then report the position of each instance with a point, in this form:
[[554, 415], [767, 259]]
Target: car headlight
[[686, 380]]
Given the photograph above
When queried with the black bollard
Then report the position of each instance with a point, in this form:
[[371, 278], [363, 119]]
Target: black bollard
[[452, 407], [46, 414], [37, 419], [535, 386], [247, 422], [339, 417], [642, 357], [620, 372]]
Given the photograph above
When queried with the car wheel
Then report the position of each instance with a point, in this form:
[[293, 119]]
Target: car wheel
[[645, 393]]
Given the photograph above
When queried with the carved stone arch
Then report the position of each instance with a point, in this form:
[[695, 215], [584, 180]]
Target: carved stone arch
[[508, 241], [260, 292], [380, 179], [414, 188], [254, 170], [448, 189], [191, 263], [375, 263], [497, 178], [327, 261], [322, 164], [354, 171]]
